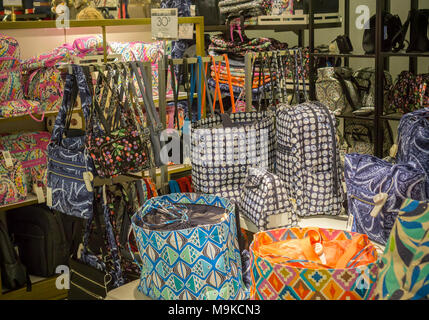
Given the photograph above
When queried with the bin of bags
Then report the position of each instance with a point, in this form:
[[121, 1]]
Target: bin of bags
[[312, 264], [188, 248]]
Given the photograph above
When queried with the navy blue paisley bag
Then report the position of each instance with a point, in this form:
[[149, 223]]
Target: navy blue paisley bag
[[70, 168], [376, 190]]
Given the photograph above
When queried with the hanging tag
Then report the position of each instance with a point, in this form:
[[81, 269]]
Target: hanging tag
[[379, 200], [49, 197], [104, 194], [350, 223], [318, 248], [88, 178], [393, 151], [79, 251], [186, 31], [39, 193], [345, 187], [8, 159], [164, 24]]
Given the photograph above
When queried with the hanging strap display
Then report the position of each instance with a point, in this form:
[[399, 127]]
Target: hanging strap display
[[206, 91]]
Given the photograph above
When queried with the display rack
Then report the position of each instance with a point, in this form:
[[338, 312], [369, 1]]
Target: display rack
[[45, 288]]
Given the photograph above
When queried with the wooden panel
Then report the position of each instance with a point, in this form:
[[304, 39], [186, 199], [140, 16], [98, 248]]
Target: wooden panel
[[42, 290]]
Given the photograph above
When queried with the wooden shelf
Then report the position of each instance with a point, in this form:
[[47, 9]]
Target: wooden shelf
[[31, 200], [393, 117], [349, 55], [406, 54], [353, 117], [41, 290], [277, 28]]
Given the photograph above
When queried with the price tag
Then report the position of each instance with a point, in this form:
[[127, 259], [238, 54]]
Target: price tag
[[193, 10], [7, 159], [186, 31], [39, 193], [88, 178], [12, 3], [49, 197], [165, 24], [350, 223]]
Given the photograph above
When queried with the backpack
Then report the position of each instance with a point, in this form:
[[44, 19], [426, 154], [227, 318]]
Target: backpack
[[308, 159], [13, 272], [264, 201]]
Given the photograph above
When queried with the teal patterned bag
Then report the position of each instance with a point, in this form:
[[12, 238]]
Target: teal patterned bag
[[189, 249]]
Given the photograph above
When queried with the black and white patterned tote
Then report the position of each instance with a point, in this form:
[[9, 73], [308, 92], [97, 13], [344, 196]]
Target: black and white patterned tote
[[264, 201], [225, 147], [308, 159]]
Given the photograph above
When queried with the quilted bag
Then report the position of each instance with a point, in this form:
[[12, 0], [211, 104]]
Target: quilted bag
[[30, 149], [312, 264], [376, 190], [10, 80], [410, 92], [189, 249], [264, 201], [13, 184], [15, 108], [122, 145], [91, 45], [413, 141], [404, 266], [70, 168], [308, 159], [222, 151]]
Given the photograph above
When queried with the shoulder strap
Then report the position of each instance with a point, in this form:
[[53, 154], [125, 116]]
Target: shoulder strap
[[398, 40]]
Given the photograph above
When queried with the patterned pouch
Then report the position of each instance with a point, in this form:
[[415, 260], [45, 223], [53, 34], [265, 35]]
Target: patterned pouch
[[376, 190], [13, 184], [194, 254], [285, 265], [404, 271]]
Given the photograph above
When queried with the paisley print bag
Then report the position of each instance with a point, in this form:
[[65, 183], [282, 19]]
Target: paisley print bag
[[264, 201], [117, 143], [70, 168], [308, 159], [13, 184], [16, 108], [189, 249], [376, 190], [403, 268], [413, 141]]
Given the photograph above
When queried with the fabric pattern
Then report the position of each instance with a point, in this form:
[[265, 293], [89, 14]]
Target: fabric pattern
[[199, 263], [9, 47], [413, 141], [367, 176], [222, 156], [264, 194], [15, 108], [284, 281], [13, 184], [404, 266], [308, 159], [11, 84], [68, 159], [30, 149]]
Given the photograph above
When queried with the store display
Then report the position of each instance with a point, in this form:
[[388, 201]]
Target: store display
[[263, 196], [70, 167], [223, 151], [312, 264], [195, 255], [308, 159], [13, 273], [418, 22], [376, 190], [337, 89], [14, 186], [16, 108], [410, 92], [392, 25], [39, 234], [413, 138], [403, 269], [30, 149]]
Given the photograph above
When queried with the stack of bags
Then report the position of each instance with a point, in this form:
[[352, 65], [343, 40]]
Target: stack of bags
[[248, 9]]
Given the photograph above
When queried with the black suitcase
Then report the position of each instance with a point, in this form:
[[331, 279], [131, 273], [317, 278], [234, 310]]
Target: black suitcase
[[39, 234]]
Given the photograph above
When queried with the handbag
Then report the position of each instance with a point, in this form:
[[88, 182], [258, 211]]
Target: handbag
[[391, 25], [70, 167], [264, 201], [16, 108], [312, 264], [344, 44], [376, 190], [418, 22], [188, 248], [403, 271], [117, 143], [13, 183], [209, 9], [409, 93]]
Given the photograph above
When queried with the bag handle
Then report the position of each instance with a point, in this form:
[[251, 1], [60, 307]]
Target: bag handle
[[175, 94], [206, 91], [231, 90], [398, 40], [217, 87]]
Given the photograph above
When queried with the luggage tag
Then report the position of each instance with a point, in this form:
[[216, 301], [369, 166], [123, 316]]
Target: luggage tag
[[379, 200], [88, 177], [49, 196], [8, 159], [350, 221], [39, 193]]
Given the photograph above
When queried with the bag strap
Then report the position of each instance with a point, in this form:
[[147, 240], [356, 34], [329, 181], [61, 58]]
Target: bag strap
[[398, 40], [345, 89], [186, 85], [206, 91], [231, 90], [175, 94], [217, 87]]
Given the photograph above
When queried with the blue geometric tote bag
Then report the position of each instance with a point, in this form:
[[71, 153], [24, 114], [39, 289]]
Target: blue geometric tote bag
[[188, 248]]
